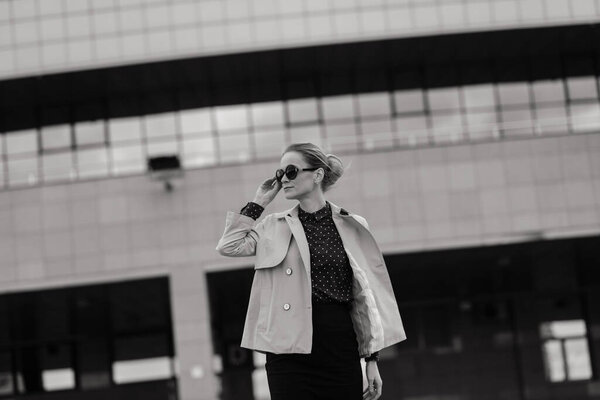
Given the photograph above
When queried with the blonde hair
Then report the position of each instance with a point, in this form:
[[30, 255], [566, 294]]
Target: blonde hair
[[315, 157]]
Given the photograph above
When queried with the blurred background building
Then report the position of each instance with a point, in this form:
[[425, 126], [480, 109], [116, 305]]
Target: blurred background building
[[470, 129]]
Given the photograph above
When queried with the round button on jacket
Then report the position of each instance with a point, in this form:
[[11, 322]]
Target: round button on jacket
[[288, 271], [286, 306]]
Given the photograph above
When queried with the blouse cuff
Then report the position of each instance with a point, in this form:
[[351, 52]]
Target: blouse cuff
[[253, 210], [373, 357]]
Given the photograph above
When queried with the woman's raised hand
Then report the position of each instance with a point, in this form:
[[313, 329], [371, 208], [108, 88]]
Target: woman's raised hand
[[267, 191]]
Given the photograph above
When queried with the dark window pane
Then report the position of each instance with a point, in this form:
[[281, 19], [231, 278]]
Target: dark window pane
[[142, 358], [4, 321], [138, 306], [436, 326], [46, 367], [93, 364], [6, 378], [90, 311]]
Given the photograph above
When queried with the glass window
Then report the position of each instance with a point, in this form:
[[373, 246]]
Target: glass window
[[516, 93], [338, 107], [92, 162], [93, 363], [162, 148], [7, 385], [21, 142], [267, 114], [409, 101], [56, 137], [552, 120], [127, 159], [374, 104], [89, 132], [377, 134], [57, 372], [565, 350], [582, 88], [446, 127], [234, 148], [549, 91], [444, 99], [342, 136], [199, 152], [231, 117], [585, 117], [58, 166], [195, 121], [23, 171], [482, 125], [160, 125], [517, 122], [269, 143], [479, 96], [142, 358], [125, 129], [412, 130], [302, 110], [306, 134]]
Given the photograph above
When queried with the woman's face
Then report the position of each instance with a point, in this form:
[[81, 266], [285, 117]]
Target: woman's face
[[303, 185]]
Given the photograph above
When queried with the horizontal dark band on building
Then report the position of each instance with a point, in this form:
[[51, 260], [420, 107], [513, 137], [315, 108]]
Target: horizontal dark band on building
[[327, 70]]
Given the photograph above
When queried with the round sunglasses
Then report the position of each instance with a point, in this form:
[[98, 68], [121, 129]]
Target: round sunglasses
[[291, 171]]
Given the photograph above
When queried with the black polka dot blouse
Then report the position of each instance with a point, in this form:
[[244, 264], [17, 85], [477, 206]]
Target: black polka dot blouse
[[331, 274]]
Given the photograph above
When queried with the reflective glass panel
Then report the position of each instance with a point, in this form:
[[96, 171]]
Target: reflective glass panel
[[21, 142], [56, 137], [549, 91], [377, 134], [444, 99], [127, 159], [125, 129], [199, 152], [342, 136], [482, 125], [231, 117], [412, 130], [195, 121], [517, 122], [89, 132], [552, 120], [234, 148], [578, 358], [267, 114], [446, 127], [269, 142], [160, 125], [479, 96], [585, 117], [409, 101], [302, 110], [306, 134], [338, 107], [58, 166], [7, 385], [92, 162], [374, 104], [23, 171], [582, 88], [514, 93], [162, 147]]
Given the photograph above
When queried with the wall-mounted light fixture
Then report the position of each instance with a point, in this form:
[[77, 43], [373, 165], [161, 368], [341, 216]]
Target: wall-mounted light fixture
[[164, 169]]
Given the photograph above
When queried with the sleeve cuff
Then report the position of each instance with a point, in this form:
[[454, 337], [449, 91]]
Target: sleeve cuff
[[253, 210], [373, 357]]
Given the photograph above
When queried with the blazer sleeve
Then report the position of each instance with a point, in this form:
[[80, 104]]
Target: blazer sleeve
[[241, 235]]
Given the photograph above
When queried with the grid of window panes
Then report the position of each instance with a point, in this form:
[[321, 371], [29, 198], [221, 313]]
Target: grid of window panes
[[82, 338], [343, 124]]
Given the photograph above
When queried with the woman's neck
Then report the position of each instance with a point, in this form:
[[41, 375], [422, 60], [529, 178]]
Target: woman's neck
[[312, 204]]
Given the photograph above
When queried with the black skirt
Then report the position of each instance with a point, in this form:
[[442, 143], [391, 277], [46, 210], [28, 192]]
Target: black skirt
[[331, 371]]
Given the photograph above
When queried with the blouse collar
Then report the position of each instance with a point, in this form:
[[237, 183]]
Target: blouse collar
[[317, 215]]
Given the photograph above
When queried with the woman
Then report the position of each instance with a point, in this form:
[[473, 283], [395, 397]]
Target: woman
[[321, 297]]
